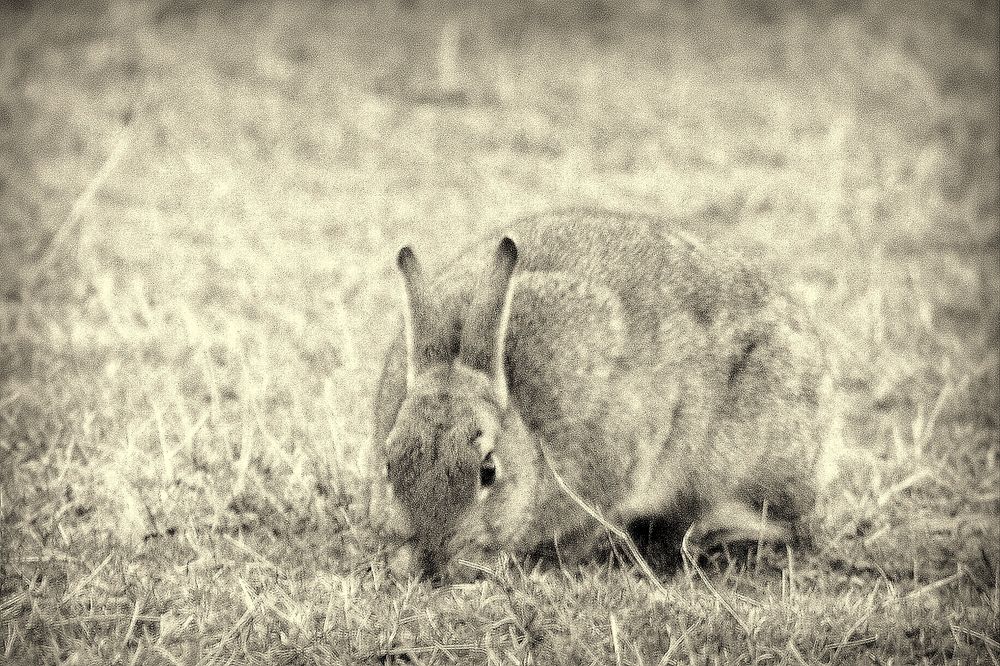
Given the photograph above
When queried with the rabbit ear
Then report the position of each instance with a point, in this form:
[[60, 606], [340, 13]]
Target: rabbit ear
[[484, 333], [415, 313]]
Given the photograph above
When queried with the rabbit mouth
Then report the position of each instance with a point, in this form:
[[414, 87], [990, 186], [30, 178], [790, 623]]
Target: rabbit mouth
[[450, 561], [431, 567], [455, 570], [439, 567]]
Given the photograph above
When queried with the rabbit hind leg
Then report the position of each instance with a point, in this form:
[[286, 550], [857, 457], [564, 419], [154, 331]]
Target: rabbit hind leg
[[733, 522]]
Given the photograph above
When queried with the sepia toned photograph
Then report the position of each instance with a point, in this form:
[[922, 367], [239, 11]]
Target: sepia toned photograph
[[413, 332]]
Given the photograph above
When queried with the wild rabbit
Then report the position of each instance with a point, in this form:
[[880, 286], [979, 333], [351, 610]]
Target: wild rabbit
[[650, 376]]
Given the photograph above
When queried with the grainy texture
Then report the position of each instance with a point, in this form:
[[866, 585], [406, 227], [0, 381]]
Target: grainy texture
[[200, 210]]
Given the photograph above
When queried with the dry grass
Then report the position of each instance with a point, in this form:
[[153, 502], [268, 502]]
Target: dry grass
[[200, 206]]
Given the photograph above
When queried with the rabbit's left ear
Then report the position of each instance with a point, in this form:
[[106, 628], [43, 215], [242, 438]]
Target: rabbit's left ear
[[484, 332], [417, 326]]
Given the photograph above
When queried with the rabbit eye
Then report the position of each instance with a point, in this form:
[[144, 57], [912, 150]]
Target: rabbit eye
[[487, 470], [476, 434]]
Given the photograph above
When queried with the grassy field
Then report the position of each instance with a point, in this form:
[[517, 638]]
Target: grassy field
[[200, 208]]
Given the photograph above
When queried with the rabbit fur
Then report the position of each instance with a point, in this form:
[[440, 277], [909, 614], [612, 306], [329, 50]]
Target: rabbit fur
[[656, 378]]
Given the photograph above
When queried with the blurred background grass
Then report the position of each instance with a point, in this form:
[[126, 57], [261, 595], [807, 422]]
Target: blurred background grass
[[200, 203]]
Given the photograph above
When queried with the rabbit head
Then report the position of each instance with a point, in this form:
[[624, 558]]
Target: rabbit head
[[458, 454]]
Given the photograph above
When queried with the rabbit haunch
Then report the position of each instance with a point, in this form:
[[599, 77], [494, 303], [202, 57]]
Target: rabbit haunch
[[657, 378]]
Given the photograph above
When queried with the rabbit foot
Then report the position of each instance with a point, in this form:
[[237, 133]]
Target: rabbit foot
[[731, 522]]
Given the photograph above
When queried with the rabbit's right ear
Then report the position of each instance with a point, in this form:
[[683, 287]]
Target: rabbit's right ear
[[416, 313], [484, 332]]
